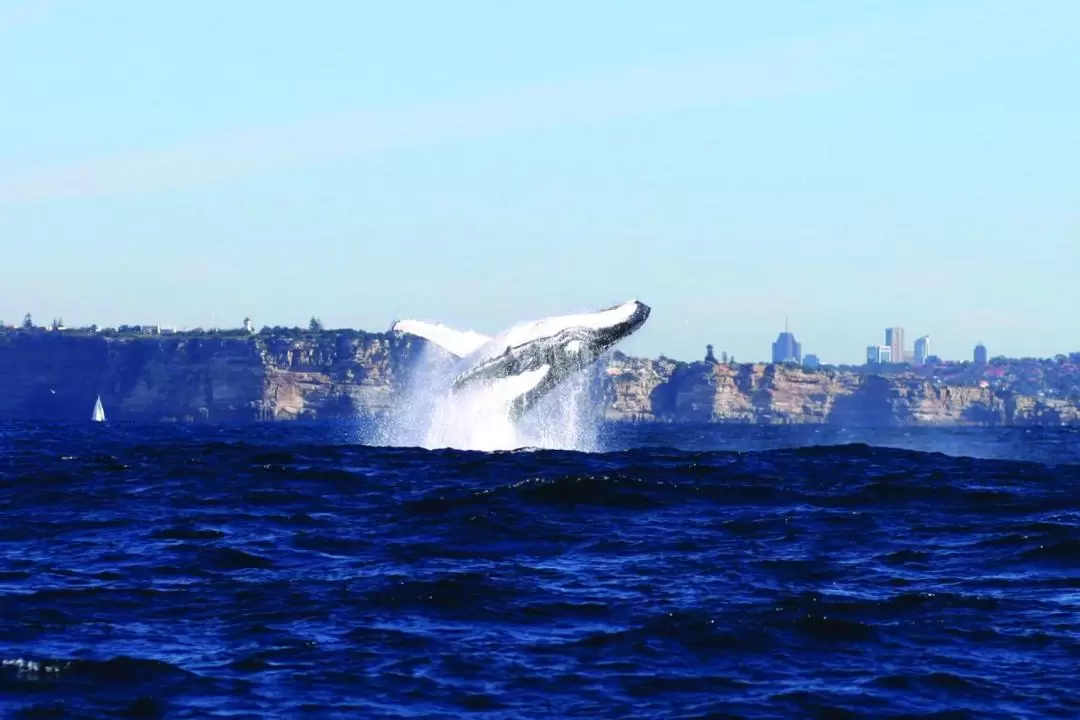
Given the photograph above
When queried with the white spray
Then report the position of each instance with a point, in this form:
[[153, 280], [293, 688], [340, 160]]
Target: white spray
[[427, 415]]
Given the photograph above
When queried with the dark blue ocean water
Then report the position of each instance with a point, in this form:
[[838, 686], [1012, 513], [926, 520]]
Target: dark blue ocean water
[[285, 570]]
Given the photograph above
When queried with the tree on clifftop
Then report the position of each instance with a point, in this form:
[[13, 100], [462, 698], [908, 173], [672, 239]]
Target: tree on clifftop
[[27, 322], [315, 325]]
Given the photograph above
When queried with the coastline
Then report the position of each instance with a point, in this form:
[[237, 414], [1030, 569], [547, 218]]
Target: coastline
[[285, 374]]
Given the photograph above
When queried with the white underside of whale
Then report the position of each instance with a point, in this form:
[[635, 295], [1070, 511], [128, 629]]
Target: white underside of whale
[[456, 342], [506, 389], [469, 343]]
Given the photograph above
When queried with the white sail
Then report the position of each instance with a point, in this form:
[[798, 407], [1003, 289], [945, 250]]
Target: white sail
[[99, 411]]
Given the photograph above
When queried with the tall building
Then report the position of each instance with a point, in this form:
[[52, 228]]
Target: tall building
[[894, 338], [980, 354], [878, 354], [786, 348], [922, 350]]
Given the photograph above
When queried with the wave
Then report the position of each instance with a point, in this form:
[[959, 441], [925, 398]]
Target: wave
[[284, 571]]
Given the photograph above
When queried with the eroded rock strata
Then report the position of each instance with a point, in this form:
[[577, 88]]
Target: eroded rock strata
[[335, 374]]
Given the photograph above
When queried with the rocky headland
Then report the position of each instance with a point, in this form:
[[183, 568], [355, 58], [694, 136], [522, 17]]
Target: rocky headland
[[285, 375], [665, 390]]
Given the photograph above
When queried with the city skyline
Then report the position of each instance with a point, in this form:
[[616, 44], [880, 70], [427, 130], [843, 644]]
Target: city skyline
[[786, 348], [850, 165]]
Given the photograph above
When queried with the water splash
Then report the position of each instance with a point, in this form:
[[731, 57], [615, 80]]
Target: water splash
[[427, 415]]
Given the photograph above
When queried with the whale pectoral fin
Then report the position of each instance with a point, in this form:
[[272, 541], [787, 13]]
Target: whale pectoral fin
[[511, 387], [456, 342]]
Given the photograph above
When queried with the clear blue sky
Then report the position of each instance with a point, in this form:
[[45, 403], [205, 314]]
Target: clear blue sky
[[848, 164]]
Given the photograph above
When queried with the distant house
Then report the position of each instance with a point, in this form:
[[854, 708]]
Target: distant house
[[140, 329]]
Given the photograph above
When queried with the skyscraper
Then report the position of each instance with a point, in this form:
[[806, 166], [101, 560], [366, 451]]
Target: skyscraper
[[980, 354], [922, 350], [877, 354], [786, 349], [894, 338]]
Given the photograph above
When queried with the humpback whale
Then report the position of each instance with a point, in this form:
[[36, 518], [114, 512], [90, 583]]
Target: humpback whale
[[523, 363]]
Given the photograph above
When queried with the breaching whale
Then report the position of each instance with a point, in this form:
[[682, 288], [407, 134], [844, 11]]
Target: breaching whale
[[522, 364]]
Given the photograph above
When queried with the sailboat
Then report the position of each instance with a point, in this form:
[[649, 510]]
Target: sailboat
[[99, 411]]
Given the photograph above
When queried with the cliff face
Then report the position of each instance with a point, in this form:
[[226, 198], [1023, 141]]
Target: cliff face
[[56, 376], [637, 389], [777, 394], [50, 376], [337, 375]]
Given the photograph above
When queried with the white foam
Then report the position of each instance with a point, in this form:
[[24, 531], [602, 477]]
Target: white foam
[[33, 667], [478, 418]]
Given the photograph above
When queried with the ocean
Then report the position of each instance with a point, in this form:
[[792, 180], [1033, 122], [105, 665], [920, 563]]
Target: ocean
[[287, 570]]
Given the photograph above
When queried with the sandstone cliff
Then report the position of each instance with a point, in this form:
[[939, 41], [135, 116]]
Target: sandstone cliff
[[778, 394], [53, 376], [337, 374]]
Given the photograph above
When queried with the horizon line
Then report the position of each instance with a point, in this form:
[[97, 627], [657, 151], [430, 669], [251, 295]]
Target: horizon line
[[165, 331]]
